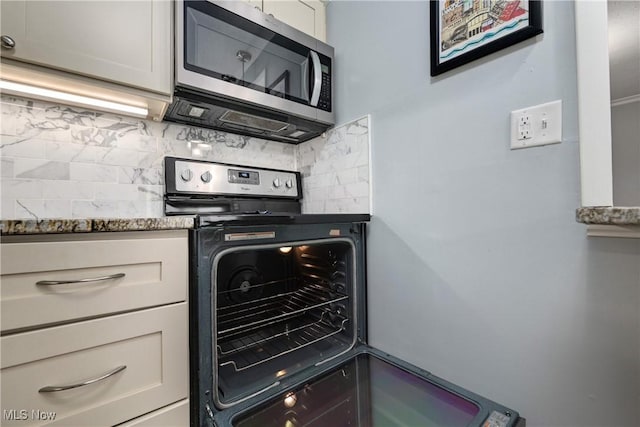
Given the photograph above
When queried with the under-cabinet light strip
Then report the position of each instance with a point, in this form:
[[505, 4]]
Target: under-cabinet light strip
[[56, 95]]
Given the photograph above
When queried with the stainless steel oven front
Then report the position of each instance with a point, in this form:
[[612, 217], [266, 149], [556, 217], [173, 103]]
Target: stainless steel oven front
[[268, 302]]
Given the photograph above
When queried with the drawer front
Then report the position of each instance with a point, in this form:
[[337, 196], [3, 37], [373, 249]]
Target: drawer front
[[176, 415], [152, 344], [119, 275]]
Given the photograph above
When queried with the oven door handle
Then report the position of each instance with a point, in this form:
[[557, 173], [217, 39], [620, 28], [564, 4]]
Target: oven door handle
[[317, 79]]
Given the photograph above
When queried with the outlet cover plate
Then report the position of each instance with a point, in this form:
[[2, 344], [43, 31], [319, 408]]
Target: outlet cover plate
[[543, 125]]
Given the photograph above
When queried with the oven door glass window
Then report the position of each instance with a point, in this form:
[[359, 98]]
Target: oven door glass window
[[366, 391], [225, 46]]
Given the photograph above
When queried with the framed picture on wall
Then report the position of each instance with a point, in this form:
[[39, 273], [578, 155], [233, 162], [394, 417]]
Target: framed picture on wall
[[465, 30]]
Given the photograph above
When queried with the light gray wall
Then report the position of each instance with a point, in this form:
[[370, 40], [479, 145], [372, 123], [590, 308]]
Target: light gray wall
[[477, 270]]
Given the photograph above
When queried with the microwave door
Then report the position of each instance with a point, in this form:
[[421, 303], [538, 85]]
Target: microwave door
[[249, 62]]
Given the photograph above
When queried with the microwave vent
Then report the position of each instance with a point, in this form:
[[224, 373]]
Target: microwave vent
[[196, 112], [296, 134], [251, 121]]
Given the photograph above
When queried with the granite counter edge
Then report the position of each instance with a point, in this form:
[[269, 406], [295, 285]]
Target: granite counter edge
[[89, 225], [607, 215]]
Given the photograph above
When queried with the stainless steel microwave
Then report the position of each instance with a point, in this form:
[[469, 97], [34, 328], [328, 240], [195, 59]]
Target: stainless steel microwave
[[240, 70]]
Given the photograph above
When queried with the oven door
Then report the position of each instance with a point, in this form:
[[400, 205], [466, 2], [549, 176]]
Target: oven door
[[374, 389], [230, 48]]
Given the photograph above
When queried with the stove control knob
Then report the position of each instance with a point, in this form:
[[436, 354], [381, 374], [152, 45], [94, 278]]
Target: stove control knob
[[186, 175], [277, 183], [206, 177], [289, 183]]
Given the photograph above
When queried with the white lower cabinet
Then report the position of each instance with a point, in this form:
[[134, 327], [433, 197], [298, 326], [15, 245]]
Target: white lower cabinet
[[175, 415], [100, 366], [53, 281]]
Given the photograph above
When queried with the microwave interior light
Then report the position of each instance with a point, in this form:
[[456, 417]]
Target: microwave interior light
[[55, 95]]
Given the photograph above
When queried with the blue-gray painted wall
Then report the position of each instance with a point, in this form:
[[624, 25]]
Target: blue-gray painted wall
[[477, 270]]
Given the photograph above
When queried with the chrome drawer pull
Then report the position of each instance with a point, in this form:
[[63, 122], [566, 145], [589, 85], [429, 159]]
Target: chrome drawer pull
[[7, 42], [54, 388], [65, 282]]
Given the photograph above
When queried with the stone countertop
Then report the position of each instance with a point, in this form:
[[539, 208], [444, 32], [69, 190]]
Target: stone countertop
[[604, 215], [59, 226]]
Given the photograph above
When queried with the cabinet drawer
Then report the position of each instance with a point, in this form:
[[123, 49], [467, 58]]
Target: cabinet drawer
[[151, 344], [176, 415], [146, 271]]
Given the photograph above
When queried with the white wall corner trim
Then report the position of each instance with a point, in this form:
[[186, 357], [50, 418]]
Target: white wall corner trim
[[594, 103]]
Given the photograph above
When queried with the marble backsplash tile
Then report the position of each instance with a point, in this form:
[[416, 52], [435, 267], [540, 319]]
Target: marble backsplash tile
[[66, 162], [335, 170]]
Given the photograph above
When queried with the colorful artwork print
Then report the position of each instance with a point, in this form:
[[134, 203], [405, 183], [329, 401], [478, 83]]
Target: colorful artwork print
[[464, 30]]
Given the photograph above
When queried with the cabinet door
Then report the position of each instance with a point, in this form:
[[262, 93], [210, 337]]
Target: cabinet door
[[98, 372], [127, 42], [255, 3], [176, 415], [307, 16]]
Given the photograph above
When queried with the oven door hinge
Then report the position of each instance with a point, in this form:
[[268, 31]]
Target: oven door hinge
[[210, 413]]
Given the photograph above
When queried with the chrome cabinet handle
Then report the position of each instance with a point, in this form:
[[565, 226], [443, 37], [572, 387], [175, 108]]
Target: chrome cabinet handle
[[65, 282], [7, 42], [54, 388]]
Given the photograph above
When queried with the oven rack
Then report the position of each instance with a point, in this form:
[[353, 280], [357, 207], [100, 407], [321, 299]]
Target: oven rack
[[247, 316], [258, 336], [267, 344], [259, 285]]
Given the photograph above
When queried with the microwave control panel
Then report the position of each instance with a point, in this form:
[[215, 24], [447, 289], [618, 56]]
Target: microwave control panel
[[325, 92]]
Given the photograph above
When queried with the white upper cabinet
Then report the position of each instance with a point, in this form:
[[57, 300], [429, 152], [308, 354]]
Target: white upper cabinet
[[127, 42], [255, 3], [307, 16]]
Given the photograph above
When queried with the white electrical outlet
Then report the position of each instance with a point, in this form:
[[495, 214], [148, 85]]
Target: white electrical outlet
[[524, 127], [538, 125]]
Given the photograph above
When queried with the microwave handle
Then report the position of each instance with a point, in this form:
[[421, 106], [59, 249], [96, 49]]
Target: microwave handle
[[317, 79]]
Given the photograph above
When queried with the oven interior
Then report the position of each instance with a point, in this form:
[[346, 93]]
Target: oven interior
[[279, 310]]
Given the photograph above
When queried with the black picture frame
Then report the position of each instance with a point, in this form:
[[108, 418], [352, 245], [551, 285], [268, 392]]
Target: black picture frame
[[532, 29]]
